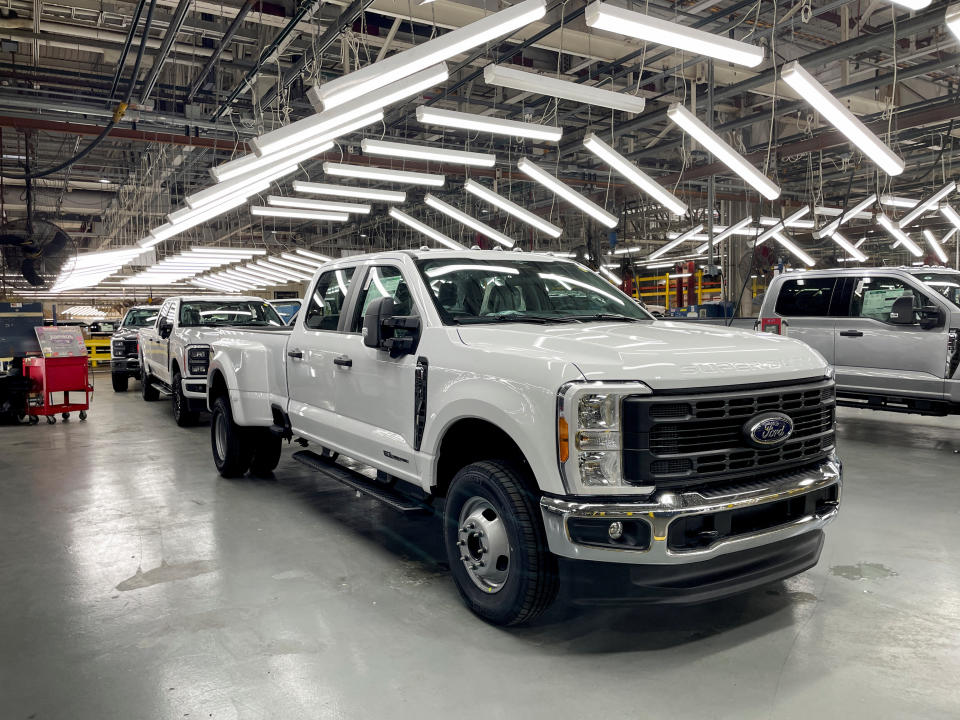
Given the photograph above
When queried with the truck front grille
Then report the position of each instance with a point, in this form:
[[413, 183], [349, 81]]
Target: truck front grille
[[683, 441]]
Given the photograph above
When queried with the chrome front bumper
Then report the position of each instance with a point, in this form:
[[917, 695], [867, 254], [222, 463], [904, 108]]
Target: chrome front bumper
[[665, 507]]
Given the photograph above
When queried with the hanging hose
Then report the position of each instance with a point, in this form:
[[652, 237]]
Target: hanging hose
[[118, 111]]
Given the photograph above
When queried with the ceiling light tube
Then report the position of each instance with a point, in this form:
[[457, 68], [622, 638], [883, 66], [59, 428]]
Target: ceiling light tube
[[167, 230], [849, 247], [311, 204], [929, 204], [508, 77], [368, 80], [367, 172], [269, 274], [894, 201], [899, 235], [510, 207], [821, 100], [677, 241], [634, 174], [853, 212], [950, 214], [295, 266], [626, 250], [912, 4], [425, 229], [461, 217], [792, 248], [295, 214], [613, 277], [567, 193], [282, 271], [732, 230], [722, 151], [313, 255], [242, 186], [932, 242], [349, 192], [952, 19], [251, 275], [313, 264], [240, 279], [603, 16], [427, 115], [224, 283], [408, 151]]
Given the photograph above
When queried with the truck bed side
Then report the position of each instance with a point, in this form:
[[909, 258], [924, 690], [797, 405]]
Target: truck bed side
[[251, 364]]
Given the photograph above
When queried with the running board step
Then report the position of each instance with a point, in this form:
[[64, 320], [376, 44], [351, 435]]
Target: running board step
[[387, 495], [161, 388]]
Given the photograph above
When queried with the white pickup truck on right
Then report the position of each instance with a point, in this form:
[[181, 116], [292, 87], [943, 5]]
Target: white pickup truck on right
[[565, 437], [892, 333]]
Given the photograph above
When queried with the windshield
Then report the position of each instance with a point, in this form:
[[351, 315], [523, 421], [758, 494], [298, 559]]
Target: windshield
[[228, 312], [947, 284], [140, 317], [286, 309], [502, 289]]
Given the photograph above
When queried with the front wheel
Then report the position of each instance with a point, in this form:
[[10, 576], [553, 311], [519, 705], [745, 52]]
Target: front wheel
[[182, 413], [147, 390], [232, 451], [119, 381], [496, 545]]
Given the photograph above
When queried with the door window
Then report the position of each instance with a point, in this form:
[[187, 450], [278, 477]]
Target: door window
[[384, 281], [327, 300], [873, 297], [805, 297]]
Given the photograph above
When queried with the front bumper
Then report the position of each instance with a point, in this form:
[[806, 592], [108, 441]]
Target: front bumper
[[129, 365], [739, 510], [195, 388]]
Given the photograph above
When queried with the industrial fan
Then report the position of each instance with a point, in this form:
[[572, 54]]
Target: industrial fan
[[36, 250]]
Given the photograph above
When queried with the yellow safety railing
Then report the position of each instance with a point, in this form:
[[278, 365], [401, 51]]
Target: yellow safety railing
[[98, 350]]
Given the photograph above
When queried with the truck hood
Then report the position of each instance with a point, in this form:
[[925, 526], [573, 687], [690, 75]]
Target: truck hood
[[199, 335], [664, 355]]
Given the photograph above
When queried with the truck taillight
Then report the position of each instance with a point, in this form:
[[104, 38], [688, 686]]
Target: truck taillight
[[777, 326]]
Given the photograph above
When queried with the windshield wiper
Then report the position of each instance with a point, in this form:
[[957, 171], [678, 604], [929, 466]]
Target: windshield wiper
[[605, 316]]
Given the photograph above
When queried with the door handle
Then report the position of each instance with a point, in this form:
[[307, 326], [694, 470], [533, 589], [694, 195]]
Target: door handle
[[295, 354], [851, 333], [343, 361]]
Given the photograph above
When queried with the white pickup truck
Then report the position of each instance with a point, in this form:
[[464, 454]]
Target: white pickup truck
[[566, 437], [175, 347]]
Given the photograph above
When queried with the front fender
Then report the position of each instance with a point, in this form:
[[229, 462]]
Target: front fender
[[245, 372]]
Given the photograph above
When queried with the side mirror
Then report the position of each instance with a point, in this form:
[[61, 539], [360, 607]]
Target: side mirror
[[902, 311], [165, 328], [377, 312], [931, 317], [380, 327]]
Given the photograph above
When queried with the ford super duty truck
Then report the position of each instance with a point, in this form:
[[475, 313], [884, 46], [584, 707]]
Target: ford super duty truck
[[174, 349], [125, 345], [565, 437]]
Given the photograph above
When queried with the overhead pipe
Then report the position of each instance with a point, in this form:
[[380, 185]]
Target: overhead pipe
[[218, 51], [126, 45], [173, 28]]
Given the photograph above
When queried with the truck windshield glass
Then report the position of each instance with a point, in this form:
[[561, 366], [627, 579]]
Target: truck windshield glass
[[511, 289], [947, 284], [286, 309], [228, 312], [141, 317]]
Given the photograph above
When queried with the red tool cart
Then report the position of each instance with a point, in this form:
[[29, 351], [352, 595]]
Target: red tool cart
[[59, 381]]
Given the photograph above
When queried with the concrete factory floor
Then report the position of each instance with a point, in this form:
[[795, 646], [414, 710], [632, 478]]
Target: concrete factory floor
[[136, 583]]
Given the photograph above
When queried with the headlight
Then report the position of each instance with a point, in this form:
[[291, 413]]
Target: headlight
[[198, 359], [829, 372], [117, 347], [589, 440]]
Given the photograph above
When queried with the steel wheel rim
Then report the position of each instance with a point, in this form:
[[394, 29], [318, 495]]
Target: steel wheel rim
[[220, 435], [484, 545]]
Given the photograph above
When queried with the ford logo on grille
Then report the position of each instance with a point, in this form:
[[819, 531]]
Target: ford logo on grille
[[768, 430]]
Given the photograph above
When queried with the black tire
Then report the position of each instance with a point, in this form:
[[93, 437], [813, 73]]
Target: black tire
[[266, 452], [182, 414], [234, 451], [65, 416], [34, 419], [531, 583], [120, 381], [147, 390]]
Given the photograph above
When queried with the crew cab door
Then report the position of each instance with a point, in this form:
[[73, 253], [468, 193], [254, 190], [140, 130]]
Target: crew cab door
[[876, 356], [316, 341], [374, 393], [155, 350], [808, 304]]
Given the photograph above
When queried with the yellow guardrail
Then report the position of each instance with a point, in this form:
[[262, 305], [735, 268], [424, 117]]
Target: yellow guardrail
[[98, 350]]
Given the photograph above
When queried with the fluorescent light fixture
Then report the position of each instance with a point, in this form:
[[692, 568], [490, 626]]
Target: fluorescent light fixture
[[425, 229], [295, 214], [912, 4], [242, 186], [899, 235], [313, 255], [167, 230], [282, 270], [571, 196], [932, 242], [792, 248], [367, 172], [269, 274], [929, 204], [368, 80], [626, 250], [239, 252], [603, 16], [829, 230], [950, 214], [510, 207], [349, 192], [821, 100], [632, 173], [508, 77], [722, 151], [610, 275], [295, 153], [312, 126], [309, 262], [311, 204], [677, 241], [732, 230], [849, 247], [952, 19], [385, 148], [461, 217], [894, 201], [484, 123]]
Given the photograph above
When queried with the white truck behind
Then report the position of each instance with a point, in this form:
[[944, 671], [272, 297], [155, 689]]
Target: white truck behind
[[564, 435]]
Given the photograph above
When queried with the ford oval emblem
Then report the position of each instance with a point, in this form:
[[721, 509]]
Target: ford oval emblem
[[768, 430]]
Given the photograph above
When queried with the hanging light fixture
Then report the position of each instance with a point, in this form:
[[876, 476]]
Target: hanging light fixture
[[461, 217], [294, 213], [420, 227], [899, 235], [952, 20], [168, 230], [676, 242], [571, 196], [932, 242], [502, 76], [425, 152], [322, 205], [929, 204], [427, 115], [829, 230], [732, 230], [367, 172], [849, 247], [793, 248], [510, 207], [348, 191]]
